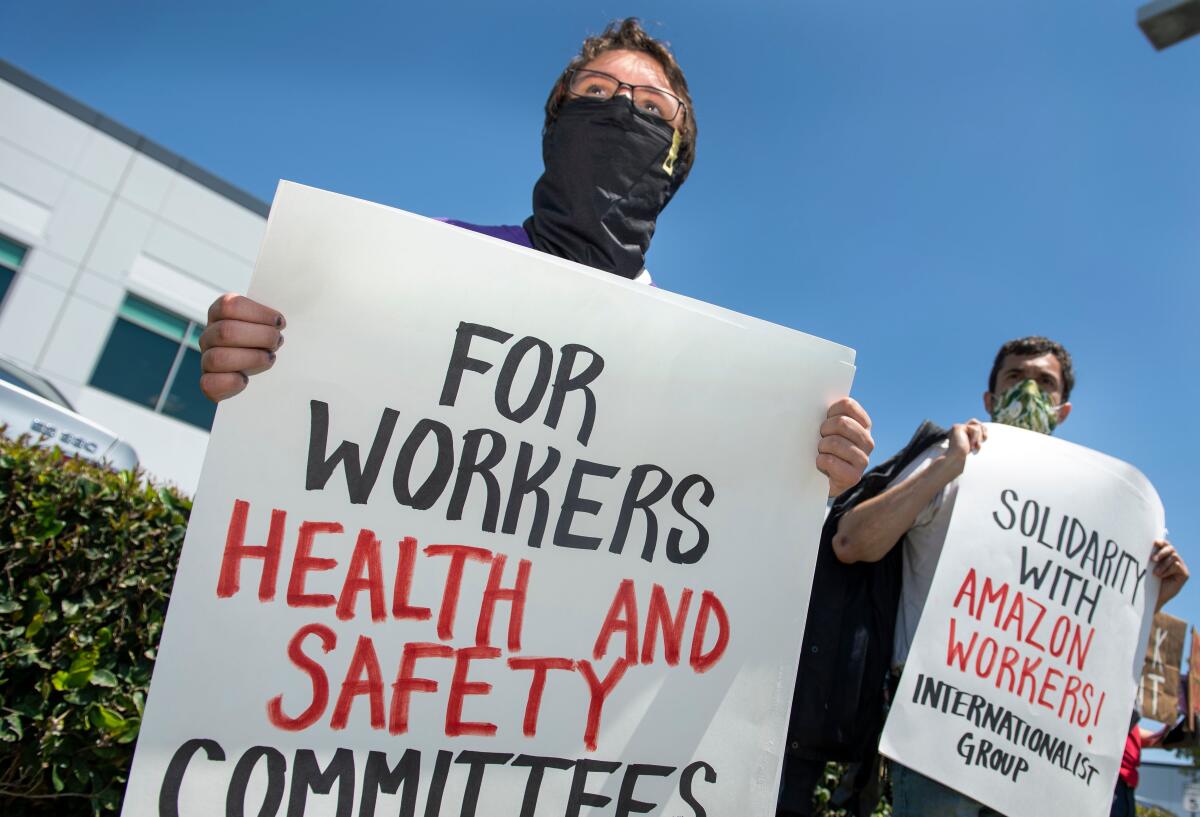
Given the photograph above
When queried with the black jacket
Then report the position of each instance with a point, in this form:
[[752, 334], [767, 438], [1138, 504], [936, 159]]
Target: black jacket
[[837, 708]]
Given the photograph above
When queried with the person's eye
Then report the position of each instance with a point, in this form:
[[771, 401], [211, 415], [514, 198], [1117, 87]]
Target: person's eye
[[652, 107], [595, 89]]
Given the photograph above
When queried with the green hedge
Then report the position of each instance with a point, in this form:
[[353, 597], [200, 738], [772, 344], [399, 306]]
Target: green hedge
[[88, 556]]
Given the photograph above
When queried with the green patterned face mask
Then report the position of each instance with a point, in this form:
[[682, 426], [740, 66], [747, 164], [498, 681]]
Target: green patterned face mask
[[1025, 406]]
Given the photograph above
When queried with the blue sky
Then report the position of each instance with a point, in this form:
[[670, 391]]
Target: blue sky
[[918, 180]]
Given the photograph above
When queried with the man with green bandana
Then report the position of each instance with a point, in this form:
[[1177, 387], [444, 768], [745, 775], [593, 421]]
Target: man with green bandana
[[1029, 387]]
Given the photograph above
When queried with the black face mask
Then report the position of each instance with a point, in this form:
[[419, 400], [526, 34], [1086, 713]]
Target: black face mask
[[610, 170]]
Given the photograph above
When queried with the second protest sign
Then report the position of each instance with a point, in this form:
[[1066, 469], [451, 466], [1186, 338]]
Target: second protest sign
[[1020, 683]]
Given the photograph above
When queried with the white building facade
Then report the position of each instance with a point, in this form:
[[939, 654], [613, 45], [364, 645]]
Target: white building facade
[[111, 250]]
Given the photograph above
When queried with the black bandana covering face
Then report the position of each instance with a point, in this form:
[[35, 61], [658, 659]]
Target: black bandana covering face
[[610, 170]]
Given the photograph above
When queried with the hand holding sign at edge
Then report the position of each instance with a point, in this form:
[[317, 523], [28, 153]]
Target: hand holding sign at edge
[[965, 438], [1170, 569], [846, 445], [242, 337], [240, 340]]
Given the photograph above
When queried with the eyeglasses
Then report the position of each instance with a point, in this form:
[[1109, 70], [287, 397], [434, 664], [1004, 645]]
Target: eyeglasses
[[646, 98]]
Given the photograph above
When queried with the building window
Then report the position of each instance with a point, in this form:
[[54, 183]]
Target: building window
[[152, 357], [11, 255]]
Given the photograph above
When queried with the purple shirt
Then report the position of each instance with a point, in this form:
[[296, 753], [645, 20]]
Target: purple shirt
[[516, 234], [506, 232]]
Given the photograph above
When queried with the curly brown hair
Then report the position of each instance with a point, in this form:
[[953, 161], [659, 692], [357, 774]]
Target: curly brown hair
[[1035, 345], [628, 35]]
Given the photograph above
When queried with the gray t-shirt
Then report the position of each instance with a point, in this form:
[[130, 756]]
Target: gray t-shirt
[[922, 549]]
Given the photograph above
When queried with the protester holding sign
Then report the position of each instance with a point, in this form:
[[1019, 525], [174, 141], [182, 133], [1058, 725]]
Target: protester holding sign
[[619, 140], [498, 566], [909, 500]]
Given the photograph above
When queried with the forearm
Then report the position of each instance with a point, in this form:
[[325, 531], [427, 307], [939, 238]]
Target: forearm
[[1166, 592], [867, 532]]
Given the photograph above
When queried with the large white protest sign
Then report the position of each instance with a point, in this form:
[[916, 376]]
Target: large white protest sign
[[497, 536], [1020, 683]]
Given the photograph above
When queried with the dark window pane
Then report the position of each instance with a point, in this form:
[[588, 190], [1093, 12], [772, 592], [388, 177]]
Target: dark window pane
[[135, 363], [6, 276], [185, 400]]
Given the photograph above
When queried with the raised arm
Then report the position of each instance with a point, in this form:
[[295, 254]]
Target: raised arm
[[868, 531]]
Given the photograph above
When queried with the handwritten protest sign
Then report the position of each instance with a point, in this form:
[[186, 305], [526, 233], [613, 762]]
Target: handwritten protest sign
[[1020, 683], [498, 535], [1193, 687], [1159, 692]]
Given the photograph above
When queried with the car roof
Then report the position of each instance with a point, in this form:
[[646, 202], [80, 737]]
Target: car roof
[[22, 377]]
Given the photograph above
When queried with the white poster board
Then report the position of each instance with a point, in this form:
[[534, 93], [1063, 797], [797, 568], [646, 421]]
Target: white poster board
[[572, 576], [1021, 679]]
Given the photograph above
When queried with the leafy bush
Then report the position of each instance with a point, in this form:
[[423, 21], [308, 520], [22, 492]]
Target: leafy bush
[[823, 795], [88, 556], [1150, 811]]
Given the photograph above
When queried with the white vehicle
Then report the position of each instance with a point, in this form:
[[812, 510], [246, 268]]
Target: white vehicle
[[31, 405]]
